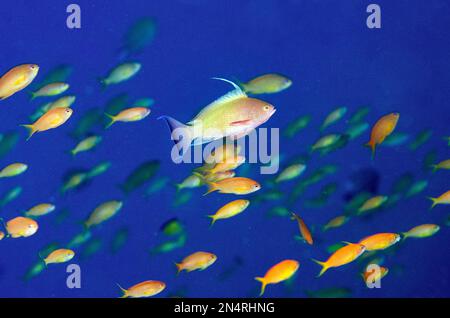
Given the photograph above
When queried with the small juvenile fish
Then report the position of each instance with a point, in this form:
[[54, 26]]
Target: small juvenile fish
[[267, 84], [59, 256], [197, 260], [17, 79], [74, 181], [445, 165], [291, 172], [442, 199], [304, 231], [380, 241], [51, 119], [40, 209], [417, 187], [129, 115], [278, 273], [193, 181], [359, 115], [421, 138], [13, 170], [382, 128], [236, 185], [325, 141], [333, 117], [86, 144], [336, 222], [21, 227], [229, 210], [79, 239], [297, 125], [372, 203], [11, 195], [99, 169], [422, 231], [121, 73], [342, 256], [145, 289], [356, 130], [103, 212], [51, 89], [172, 227], [371, 277]]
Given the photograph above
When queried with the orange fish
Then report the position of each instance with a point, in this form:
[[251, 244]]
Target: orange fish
[[380, 241], [371, 277], [237, 185], [17, 79], [144, 289], [342, 256], [304, 231], [382, 128], [130, 114], [51, 119], [198, 260], [278, 273], [442, 199], [21, 227]]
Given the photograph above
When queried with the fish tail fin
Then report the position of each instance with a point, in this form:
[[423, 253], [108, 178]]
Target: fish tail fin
[[371, 145], [179, 268], [236, 86], [213, 219], [103, 82], [404, 235], [324, 266], [33, 95], [31, 130], [434, 168], [123, 290], [434, 200], [43, 259], [180, 133], [113, 120], [263, 284], [212, 187]]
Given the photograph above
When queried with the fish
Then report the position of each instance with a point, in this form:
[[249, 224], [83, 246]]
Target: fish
[[145, 289], [50, 120], [325, 141], [421, 138], [236, 185], [304, 231], [336, 222], [372, 203], [380, 241], [356, 130], [382, 129], [129, 115], [359, 115], [140, 175], [266, 84], [86, 123], [422, 231], [86, 144], [121, 73], [218, 176], [193, 181], [297, 125], [2, 235], [21, 227], [13, 170], [291, 172], [342, 256], [233, 115], [103, 212], [99, 169], [196, 261], [444, 165], [417, 188], [442, 199], [172, 227], [169, 246], [7, 142], [62, 255], [333, 117], [139, 35], [62, 102], [16, 79], [11, 195], [51, 89], [229, 210], [74, 181], [229, 164], [157, 185], [79, 239], [40, 210], [60, 73], [119, 240], [281, 271]]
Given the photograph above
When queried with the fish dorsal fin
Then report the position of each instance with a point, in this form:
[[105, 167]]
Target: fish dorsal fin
[[347, 243]]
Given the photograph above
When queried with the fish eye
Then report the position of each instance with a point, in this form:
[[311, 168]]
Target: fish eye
[[266, 108]]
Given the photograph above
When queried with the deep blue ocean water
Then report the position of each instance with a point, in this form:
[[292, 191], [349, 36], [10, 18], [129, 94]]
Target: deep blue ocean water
[[333, 59]]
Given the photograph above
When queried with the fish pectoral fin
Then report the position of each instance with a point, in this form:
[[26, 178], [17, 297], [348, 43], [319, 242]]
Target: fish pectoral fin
[[244, 122]]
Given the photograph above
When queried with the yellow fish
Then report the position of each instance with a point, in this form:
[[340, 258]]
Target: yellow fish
[[86, 144], [129, 114], [197, 260], [121, 73], [51, 119], [51, 89], [382, 128], [422, 231], [233, 115], [336, 222], [380, 241], [229, 210], [442, 199], [445, 165], [13, 170], [21, 227], [61, 255], [193, 181], [17, 79], [103, 212], [40, 209], [291, 172], [229, 164], [267, 84], [144, 289], [372, 203], [236, 185], [218, 176], [278, 273], [342, 256]]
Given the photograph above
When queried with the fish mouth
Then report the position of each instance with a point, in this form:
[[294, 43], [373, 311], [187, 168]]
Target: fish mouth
[[272, 112]]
